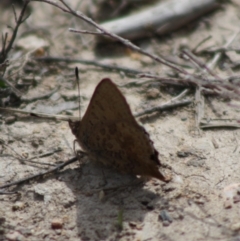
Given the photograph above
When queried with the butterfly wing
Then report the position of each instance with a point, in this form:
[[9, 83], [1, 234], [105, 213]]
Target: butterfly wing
[[111, 135], [107, 105]]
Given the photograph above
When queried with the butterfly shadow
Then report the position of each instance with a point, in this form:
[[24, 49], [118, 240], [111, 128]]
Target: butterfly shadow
[[107, 201]]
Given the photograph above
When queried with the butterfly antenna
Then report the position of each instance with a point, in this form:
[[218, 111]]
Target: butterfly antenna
[[79, 96]]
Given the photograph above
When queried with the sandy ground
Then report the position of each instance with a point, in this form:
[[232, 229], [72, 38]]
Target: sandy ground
[[87, 201]]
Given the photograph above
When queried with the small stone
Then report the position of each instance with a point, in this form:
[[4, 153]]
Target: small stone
[[164, 216], [230, 194], [196, 163], [171, 209], [10, 119], [135, 225], [57, 223], [101, 195], [235, 226], [183, 118], [18, 206], [14, 236], [236, 198], [26, 232], [227, 204], [166, 223], [199, 201], [152, 93], [183, 154], [58, 231]]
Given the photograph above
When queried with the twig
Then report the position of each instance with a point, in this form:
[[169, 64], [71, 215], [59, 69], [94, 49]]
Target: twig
[[41, 115], [173, 81], [41, 174], [166, 106], [14, 12], [89, 62], [85, 32], [217, 56], [213, 86], [6, 193], [188, 77], [23, 160], [13, 89], [219, 49], [198, 95], [161, 18], [125, 42], [200, 43], [40, 97], [199, 63], [199, 106], [178, 97], [41, 156], [4, 52], [217, 123]]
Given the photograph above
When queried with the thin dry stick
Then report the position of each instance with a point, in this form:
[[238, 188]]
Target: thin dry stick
[[169, 80], [192, 78], [86, 32], [166, 106], [219, 49], [30, 160], [199, 63], [216, 123], [41, 174], [49, 153], [4, 52], [200, 101], [200, 43], [104, 32], [217, 56], [41, 115], [214, 86], [40, 97], [89, 62], [6, 193], [13, 89]]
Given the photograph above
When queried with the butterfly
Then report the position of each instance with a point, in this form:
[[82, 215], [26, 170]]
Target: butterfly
[[109, 134]]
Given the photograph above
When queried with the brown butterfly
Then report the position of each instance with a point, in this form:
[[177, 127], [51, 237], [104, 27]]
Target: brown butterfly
[[109, 133]]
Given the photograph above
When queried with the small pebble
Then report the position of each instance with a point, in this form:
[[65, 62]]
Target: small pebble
[[235, 226], [101, 195], [171, 209], [236, 198], [18, 206], [166, 223], [14, 236], [184, 118], [196, 163], [35, 143], [10, 119], [164, 216], [183, 154], [227, 204], [57, 223], [230, 194], [152, 93]]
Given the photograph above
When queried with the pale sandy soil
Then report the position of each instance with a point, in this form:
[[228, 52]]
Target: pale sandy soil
[[202, 200]]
